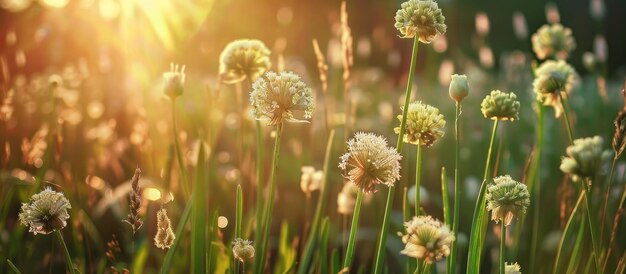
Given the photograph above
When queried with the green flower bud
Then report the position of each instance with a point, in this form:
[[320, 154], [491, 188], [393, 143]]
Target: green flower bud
[[500, 105], [507, 198], [459, 88], [424, 125], [422, 18], [584, 158]]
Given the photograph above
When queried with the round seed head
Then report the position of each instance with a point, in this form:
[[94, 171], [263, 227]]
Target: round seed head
[[46, 212], [174, 81], [280, 97], [370, 162], [426, 239], [506, 198], [551, 78], [422, 18], [512, 268], [243, 250], [553, 41], [459, 88], [244, 58], [500, 105], [424, 125], [584, 158]]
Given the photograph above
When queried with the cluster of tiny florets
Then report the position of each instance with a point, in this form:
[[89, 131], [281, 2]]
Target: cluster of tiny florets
[[243, 250], [553, 41], [174, 81], [422, 18], [500, 105], [551, 78], [46, 212], [370, 162], [279, 97], [512, 268], [424, 125], [507, 198], [584, 158], [244, 58], [164, 237], [427, 239]]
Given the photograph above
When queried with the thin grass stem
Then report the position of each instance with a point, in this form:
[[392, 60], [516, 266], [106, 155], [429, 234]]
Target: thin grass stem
[[179, 153], [66, 253], [353, 231], [502, 246], [457, 189], [570, 132]]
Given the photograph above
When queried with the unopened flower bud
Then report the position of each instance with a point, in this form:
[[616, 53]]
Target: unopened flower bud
[[459, 88]]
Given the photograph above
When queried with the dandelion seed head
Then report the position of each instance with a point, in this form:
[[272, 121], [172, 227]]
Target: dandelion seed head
[[244, 58], [46, 212], [370, 162], [553, 41], [280, 97], [500, 105], [426, 239], [422, 18], [506, 198], [424, 125]]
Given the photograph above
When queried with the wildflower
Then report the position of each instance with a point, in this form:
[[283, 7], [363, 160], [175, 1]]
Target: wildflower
[[459, 88], [135, 203], [174, 81], [506, 198], [370, 162], [422, 18], [346, 199], [164, 237], [245, 58], [512, 268], [46, 212], [310, 180], [553, 41], [584, 158], [427, 239], [500, 105], [277, 97], [424, 125], [551, 78], [243, 250]]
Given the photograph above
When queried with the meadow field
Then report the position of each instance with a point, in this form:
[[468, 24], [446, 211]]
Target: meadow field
[[335, 136]]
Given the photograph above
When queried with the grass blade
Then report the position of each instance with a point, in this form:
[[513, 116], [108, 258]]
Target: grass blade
[[324, 234], [13, 267], [198, 218], [169, 257], [566, 233]]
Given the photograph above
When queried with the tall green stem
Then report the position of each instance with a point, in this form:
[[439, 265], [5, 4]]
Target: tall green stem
[[570, 132], [382, 239], [457, 190], [68, 258], [478, 224], [259, 182], [502, 247], [606, 201], [353, 230], [269, 206], [418, 179], [179, 154], [591, 214], [567, 231]]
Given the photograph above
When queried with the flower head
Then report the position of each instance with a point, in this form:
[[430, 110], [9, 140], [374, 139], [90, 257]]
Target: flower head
[[427, 239], [46, 212], [370, 162], [164, 237], [459, 88], [422, 18], [174, 81], [243, 250], [506, 198], [553, 41], [500, 105], [512, 268], [278, 97], [310, 180], [244, 58], [424, 125], [551, 78], [584, 158]]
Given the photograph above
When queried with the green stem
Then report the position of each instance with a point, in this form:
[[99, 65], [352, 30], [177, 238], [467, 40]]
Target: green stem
[[502, 246], [570, 132], [591, 216], [606, 202], [182, 223], [13, 267], [457, 190], [259, 181], [353, 230], [179, 154], [68, 258], [426, 268], [382, 239], [567, 231], [418, 179], [478, 224], [536, 184], [269, 207]]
